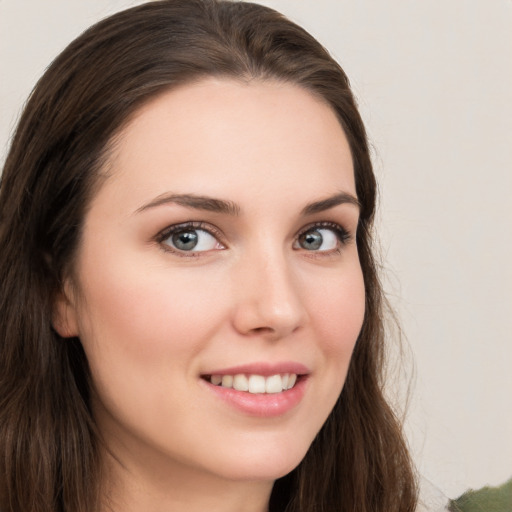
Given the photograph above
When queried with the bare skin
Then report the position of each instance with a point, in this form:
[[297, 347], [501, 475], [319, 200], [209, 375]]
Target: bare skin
[[210, 246]]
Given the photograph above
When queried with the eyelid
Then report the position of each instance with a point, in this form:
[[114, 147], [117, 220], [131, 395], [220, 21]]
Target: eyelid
[[344, 235], [165, 233]]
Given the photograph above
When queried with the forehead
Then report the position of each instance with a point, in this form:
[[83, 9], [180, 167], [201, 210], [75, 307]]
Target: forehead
[[218, 136]]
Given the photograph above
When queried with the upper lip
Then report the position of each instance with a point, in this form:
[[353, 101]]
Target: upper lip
[[263, 368]]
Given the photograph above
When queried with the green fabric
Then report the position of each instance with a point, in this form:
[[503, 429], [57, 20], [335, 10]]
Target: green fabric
[[488, 499]]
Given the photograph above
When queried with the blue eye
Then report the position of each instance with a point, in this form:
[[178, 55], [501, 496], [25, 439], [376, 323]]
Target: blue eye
[[322, 238], [190, 239]]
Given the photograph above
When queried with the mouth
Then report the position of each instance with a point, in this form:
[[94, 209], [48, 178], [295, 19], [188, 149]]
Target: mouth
[[254, 383], [263, 390]]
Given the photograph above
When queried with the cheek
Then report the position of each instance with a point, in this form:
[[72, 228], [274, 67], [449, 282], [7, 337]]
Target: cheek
[[338, 311], [146, 318], [142, 331]]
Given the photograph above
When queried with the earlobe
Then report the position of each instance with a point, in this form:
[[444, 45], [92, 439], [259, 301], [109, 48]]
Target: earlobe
[[64, 318]]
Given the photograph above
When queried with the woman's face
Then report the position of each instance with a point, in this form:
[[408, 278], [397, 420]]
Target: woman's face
[[221, 247]]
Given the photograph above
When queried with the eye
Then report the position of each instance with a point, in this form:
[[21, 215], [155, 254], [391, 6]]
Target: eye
[[322, 238], [189, 237]]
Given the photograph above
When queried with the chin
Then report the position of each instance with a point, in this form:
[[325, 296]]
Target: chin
[[264, 463]]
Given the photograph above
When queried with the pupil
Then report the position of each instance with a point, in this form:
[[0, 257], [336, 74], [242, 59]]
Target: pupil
[[186, 240], [312, 240]]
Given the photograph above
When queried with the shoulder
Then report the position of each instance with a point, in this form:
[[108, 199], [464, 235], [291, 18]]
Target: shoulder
[[490, 499]]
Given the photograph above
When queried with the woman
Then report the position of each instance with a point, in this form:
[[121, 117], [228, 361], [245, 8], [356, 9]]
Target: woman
[[190, 312]]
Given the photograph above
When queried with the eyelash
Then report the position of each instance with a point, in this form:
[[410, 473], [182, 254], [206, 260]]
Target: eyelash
[[187, 226], [343, 236]]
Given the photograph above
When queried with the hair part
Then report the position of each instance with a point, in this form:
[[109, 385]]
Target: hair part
[[49, 446]]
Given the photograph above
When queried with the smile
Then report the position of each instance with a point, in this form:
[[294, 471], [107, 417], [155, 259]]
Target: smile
[[256, 384], [260, 389]]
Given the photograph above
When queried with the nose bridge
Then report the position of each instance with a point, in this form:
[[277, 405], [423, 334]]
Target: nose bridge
[[268, 293]]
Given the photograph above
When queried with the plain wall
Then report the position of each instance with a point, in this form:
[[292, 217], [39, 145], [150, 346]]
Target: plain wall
[[434, 82]]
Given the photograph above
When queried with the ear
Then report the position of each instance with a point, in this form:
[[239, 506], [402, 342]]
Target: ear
[[64, 318]]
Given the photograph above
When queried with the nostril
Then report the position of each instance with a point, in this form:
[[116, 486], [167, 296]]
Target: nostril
[[263, 329]]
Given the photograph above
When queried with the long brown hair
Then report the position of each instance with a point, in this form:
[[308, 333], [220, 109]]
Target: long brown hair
[[49, 447]]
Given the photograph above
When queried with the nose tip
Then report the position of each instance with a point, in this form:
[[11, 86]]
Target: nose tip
[[269, 305]]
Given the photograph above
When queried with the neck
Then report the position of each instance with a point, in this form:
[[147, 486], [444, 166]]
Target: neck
[[136, 486]]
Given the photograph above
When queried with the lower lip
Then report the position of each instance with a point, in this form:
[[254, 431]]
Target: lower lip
[[265, 405]]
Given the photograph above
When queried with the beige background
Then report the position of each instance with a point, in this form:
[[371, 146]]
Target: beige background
[[434, 81]]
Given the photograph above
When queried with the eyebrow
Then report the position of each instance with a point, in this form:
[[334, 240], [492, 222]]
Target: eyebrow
[[331, 202], [211, 204]]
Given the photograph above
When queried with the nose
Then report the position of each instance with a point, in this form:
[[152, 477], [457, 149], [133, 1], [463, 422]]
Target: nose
[[268, 299]]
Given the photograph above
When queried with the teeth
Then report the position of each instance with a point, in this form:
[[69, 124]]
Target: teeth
[[240, 382], [292, 380], [274, 384], [227, 381], [256, 383]]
